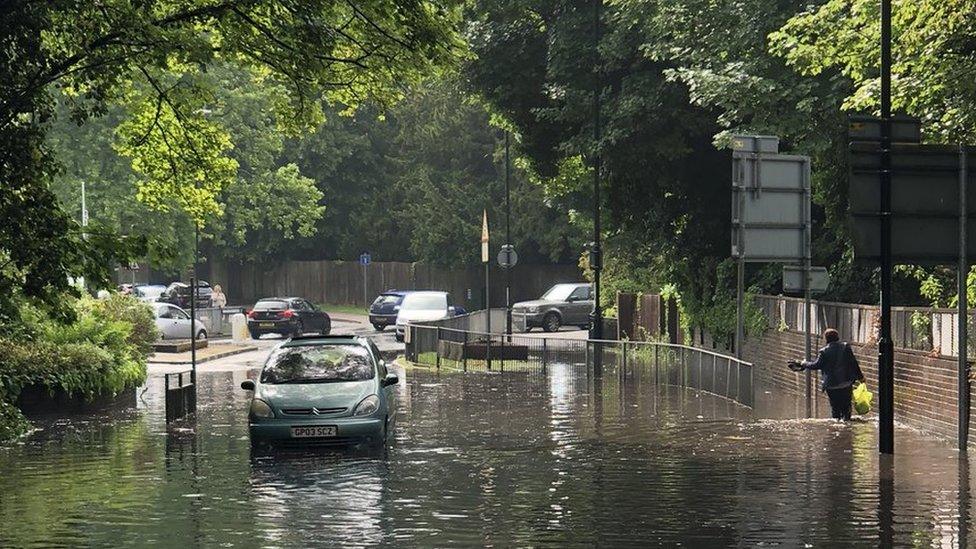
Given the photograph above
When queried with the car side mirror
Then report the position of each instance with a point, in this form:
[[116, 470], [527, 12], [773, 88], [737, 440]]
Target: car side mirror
[[391, 379], [451, 310], [247, 385]]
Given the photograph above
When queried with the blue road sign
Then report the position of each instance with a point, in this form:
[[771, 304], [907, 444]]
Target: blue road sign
[[365, 258]]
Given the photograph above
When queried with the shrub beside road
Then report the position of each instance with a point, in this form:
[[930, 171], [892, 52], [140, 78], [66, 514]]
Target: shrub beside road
[[102, 352]]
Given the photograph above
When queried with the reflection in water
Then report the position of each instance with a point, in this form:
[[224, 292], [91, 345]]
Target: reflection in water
[[561, 459]]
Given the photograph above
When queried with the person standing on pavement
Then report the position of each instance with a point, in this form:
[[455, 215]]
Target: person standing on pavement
[[838, 371], [219, 299]]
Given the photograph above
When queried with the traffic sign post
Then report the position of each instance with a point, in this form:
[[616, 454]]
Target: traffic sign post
[[365, 259], [909, 205], [507, 258], [770, 214], [770, 220]]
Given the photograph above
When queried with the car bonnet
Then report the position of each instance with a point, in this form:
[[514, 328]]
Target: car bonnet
[[321, 395]]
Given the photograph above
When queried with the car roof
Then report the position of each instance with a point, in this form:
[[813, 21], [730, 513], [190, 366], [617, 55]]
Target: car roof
[[398, 292], [337, 339]]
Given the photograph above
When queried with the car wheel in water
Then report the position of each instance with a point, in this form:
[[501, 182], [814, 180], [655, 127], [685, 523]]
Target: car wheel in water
[[299, 330], [551, 322], [202, 334], [379, 327], [254, 335]]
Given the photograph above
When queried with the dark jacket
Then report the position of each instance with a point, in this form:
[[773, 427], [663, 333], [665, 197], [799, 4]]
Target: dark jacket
[[837, 364]]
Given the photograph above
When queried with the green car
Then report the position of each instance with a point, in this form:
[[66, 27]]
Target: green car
[[323, 390]]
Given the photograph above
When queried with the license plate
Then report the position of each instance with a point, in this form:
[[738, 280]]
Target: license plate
[[266, 324], [314, 431]]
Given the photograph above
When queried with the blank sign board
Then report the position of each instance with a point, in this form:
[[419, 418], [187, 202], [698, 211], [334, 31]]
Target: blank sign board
[[925, 182], [770, 206], [793, 279]]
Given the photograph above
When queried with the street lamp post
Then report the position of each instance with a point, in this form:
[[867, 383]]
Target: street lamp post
[[194, 294], [508, 238], [596, 259], [886, 366]]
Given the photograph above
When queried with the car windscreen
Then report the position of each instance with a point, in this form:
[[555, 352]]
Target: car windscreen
[[270, 305], [559, 292], [318, 364], [424, 302], [388, 299]]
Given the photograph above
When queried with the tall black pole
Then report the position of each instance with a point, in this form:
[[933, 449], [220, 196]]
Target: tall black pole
[[193, 304], [886, 366], [596, 259], [508, 239]]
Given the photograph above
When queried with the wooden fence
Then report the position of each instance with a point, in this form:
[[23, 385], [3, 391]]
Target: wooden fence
[[342, 282]]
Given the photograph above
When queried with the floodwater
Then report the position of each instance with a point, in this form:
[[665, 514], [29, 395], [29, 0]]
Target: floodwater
[[513, 459]]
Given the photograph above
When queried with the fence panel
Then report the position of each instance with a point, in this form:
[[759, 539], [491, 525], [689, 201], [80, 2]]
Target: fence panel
[[914, 328]]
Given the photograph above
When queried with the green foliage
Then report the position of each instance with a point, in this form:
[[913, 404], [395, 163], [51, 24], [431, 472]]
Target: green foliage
[[153, 58], [103, 351], [410, 183]]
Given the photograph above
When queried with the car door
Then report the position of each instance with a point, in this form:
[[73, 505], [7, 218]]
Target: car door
[[304, 312], [168, 324], [390, 391], [181, 323], [317, 316], [579, 306]]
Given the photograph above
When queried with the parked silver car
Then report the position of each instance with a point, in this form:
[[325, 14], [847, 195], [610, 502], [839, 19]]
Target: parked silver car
[[174, 323], [561, 305]]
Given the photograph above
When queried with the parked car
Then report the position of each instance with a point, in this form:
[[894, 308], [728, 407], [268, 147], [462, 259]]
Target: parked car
[[148, 292], [174, 323], [420, 306], [178, 293], [383, 311], [286, 316], [323, 389], [563, 304]]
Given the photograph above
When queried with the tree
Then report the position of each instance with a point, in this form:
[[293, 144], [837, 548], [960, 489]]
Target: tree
[[155, 54]]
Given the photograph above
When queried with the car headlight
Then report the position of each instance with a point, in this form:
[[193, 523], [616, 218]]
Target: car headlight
[[367, 406], [396, 307], [534, 309], [260, 408]]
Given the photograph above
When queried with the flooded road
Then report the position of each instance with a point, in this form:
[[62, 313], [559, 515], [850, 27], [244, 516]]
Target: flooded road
[[516, 459]]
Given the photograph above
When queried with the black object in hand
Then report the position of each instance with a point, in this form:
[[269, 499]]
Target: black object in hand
[[794, 365]]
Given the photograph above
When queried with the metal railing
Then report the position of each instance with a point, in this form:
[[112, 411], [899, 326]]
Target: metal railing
[[662, 363], [181, 398]]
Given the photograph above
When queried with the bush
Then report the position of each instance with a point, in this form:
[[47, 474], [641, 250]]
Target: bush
[[103, 351], [139, 315]]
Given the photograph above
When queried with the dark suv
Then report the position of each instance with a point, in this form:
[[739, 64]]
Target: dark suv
[[287, 316], [178, 294]]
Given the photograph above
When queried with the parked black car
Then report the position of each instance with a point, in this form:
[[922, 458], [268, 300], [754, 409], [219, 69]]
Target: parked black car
[[178, 293], [287, 316]]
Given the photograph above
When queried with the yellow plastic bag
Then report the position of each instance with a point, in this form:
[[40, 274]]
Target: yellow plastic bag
[[862, 398]]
